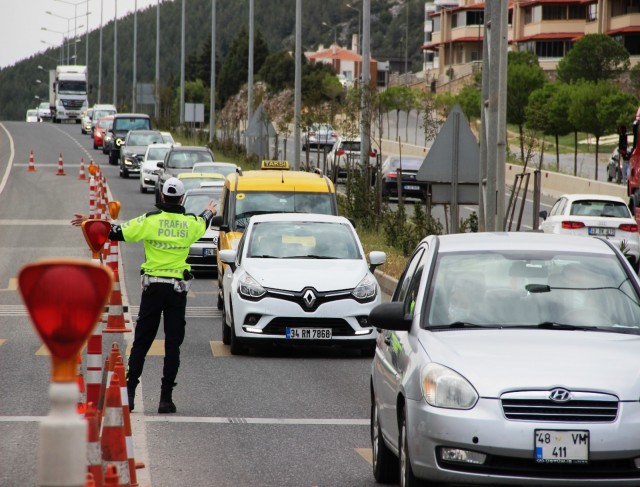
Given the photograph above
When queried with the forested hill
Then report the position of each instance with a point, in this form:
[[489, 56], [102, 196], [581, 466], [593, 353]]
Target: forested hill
[[274, 22]]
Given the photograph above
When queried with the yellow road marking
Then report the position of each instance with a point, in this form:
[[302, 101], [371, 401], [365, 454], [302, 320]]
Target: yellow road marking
[[366, 453], [219, 349], [13, 285], [2, 340], [156, 350]]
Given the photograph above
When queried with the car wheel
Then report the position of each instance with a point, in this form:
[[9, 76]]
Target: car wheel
[[385, 463], [220, 302], [407, 479], [113, 159], [235, 343], [142, 188], [226, 330], [95, 146], [633, 202], [368, 350]]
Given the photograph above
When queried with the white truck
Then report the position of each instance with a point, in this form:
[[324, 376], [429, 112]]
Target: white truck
[[68, 94]]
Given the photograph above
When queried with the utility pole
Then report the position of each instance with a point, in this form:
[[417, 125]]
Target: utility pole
[[157, 86], [135, 55], [115, 54], [250, 68], [365, 143], [297, 87], [182, 66], [212, 95], [100, 58]]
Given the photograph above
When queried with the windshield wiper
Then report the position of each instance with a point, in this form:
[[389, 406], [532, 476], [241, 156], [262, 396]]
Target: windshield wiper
[[311, 256], [265, 256], [552, 325], [461, 324]]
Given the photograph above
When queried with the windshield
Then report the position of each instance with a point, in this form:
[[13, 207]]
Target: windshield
[[186, 159], [533, 289], [303, 240], [103, 113], [143, 139], [126, 124], [256, 203], [196, 203], [192, 183], [351, 145], [408, 164], [156, 153], [72, 87]]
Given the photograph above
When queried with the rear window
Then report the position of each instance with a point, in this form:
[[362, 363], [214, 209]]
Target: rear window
[[409, 164], [132, 124], [144, 139], [350, 145], [157, 153], [186, 159], [604, 209], [103, 113]]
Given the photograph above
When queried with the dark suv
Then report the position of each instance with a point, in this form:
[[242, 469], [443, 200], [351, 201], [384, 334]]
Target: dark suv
[[133, 150], [122, 123], [179, 159]]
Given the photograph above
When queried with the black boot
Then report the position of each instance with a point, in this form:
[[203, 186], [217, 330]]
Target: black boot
[[131, 391], [166, 402]]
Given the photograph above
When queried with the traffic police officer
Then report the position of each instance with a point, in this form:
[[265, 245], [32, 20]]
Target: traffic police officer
[[165, 276]]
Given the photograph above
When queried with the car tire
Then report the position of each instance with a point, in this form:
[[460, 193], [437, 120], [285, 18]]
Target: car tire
[[226, 329], [113, 158], [95, 146], [220, 300], [143, 189], [407, 478], [368, 350], [385, 463], [633, 202], [235, 344]]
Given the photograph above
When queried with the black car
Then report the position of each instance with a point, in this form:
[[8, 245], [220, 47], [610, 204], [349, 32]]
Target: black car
[[179, 159], [408, 166], [122, 123], [133, 149]]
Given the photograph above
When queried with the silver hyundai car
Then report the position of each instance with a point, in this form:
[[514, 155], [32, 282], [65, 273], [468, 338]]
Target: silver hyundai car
[[509, 359]]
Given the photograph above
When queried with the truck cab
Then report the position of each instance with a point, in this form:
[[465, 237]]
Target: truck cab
[[68, 93]]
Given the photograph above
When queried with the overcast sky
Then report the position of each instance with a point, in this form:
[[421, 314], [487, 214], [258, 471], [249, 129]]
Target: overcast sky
[[21, 23]]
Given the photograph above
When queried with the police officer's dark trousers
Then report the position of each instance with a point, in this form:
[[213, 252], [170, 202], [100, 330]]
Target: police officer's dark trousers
[[157, 299]]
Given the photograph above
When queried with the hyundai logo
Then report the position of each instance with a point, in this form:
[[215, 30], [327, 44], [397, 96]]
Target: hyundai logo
[[309, 298], [560, 395]]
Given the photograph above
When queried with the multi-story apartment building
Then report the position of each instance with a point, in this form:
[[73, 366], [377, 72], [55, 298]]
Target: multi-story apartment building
[[548, 28]]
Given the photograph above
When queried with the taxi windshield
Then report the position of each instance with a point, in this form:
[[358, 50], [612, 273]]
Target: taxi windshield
[[257, 203]]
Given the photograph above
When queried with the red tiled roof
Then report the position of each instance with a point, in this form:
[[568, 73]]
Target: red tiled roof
[[340, 53], [549, 2], [623, 30]]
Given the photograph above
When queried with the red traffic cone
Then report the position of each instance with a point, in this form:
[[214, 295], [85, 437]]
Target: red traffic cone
[[32, 166], [111, 476], [112, 439], [82, 176], [94, 456], [60, 171], [89, 482], [81, 407], [126, 415], [115, 321]]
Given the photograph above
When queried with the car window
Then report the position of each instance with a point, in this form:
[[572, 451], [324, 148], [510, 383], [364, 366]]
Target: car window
[[144, 139], [350, 145], [156, 153], [196, 203], [259, 202], [533, 288], [409, 164], [103, 113], [303, 240], [405, 280], [132, 124], [600, 208], [192, 183]]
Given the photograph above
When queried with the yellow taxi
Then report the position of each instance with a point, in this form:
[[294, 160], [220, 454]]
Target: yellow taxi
[[272, 189]]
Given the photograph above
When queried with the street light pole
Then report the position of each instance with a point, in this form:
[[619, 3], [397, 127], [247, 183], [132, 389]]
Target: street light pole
[[335, 32], [212, 95], [135, 47], [100, 58], [358, 49], [297, 87], [250, 78], [157, 90], [182, 66], [115, 53]]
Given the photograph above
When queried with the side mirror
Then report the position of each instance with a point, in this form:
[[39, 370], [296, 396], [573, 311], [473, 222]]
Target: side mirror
[[160, 165], [216, 221], [543, 214], [228, 256], [390, 316], [376, 258]]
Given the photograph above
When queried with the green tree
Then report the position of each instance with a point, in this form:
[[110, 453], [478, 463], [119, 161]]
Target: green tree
[[594, 57], [589, 112], [634, 77], [524, 75], [234, 71], [278, 71], [470, 100]]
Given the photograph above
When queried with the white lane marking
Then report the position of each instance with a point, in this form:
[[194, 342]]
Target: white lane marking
[[281, 421], [76, 142], [217, 420], [3, 183]]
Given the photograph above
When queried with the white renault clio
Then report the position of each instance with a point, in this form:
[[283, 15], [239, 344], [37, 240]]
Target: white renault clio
[[299, 278]]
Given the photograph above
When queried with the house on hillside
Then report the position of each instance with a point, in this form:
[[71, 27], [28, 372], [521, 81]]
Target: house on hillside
[[348, 63], [454, 31]]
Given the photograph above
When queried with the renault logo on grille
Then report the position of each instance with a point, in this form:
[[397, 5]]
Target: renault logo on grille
[[309, 298], [560, 395]]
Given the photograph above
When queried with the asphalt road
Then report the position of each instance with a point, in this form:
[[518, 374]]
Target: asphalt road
[[280, 418]]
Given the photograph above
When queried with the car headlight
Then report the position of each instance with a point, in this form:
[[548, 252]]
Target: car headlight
[[366, 289], [249, 288], [445, 388]]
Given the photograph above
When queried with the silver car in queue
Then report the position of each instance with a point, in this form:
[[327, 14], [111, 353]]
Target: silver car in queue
[[509, 359]]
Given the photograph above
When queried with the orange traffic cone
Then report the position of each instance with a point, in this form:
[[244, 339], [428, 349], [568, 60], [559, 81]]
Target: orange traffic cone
[[115, 322], [126, 415], [111, 476], [107, 373], [32, 166], [82, 176], [94, 456], [60, 171], [81, 407], [112, 439], [89, 482]]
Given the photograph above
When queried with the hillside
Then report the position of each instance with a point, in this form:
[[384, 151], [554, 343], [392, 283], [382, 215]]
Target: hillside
[[274, 19]]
